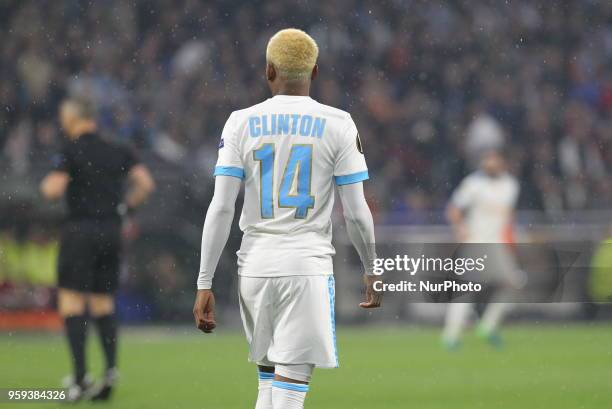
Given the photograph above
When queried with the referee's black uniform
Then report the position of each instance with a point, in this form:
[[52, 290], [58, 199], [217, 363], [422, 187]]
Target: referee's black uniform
[[90, 249], [91, 241]]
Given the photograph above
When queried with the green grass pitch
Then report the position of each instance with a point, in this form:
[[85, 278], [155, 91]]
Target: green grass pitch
[[550, 367]]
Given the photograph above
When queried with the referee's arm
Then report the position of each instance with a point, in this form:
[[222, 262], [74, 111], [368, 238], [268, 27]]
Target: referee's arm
[[141, 185], [55, 183], [53, 186]]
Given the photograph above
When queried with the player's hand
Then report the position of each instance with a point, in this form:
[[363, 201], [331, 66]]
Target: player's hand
[[204, 311], [373, 297]]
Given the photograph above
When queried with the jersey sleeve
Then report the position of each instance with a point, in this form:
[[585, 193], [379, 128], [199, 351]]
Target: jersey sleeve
[[350, 166], [229, 162]]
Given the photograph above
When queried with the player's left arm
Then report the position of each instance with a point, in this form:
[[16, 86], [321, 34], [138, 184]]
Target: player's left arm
[[350, 171], [216, 230], [53, 186], [360, 229]]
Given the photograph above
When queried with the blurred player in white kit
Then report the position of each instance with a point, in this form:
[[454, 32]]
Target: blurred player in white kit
[[289, 150], [481, 210]]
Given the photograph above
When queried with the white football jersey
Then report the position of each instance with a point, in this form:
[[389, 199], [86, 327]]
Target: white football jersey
[[290, 150], [489, 203]]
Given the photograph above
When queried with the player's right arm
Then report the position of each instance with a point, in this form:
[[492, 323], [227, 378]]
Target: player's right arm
[[461, 199], [229, 173], [454, 215], [216, 230]]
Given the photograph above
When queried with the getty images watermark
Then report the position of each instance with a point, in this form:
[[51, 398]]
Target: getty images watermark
[[493, 272], [446, 266]]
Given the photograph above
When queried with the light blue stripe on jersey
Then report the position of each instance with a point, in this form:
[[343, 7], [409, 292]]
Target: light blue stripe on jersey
[[266, 375], [298, 387], [331, 287], [352, 178], [229, 171]]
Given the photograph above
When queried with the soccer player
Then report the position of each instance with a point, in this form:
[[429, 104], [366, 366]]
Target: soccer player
[[290, 150], [481, 210], [91, 172]]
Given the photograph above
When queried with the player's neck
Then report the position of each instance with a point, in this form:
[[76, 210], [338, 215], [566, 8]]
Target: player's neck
[[301, 89]]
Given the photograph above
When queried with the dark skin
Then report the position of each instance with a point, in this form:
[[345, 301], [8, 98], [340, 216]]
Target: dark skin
[[203, 309], [280, 86]]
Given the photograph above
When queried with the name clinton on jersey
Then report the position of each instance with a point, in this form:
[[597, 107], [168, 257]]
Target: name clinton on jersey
[[286, 124]]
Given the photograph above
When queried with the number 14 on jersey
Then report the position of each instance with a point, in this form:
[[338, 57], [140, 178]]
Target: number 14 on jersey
[[295, 187]]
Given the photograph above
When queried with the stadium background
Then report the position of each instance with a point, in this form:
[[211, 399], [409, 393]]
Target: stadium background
[[429, 85]]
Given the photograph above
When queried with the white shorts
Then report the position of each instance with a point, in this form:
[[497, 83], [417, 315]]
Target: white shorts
[[289, 320]]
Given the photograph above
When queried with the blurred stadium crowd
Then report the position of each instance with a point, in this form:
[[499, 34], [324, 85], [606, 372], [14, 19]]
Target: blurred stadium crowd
[[429, 84]]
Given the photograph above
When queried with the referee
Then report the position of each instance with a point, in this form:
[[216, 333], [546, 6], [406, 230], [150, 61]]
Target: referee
[[92, 173]]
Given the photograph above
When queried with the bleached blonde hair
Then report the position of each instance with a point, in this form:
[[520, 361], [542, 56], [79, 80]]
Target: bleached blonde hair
[[293, 53]]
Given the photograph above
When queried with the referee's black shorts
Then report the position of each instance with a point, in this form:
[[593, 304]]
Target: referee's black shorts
[[89, 256]]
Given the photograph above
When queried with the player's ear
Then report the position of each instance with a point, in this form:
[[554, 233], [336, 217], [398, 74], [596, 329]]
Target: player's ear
[[270, 72], [315, 72]]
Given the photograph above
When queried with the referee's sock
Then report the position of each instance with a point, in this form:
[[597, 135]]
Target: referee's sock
[[76, 331], [288, 395], [107, 329]]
